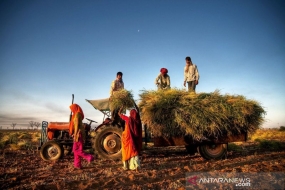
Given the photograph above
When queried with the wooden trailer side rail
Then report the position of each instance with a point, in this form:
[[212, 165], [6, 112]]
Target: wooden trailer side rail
[[182, 141]]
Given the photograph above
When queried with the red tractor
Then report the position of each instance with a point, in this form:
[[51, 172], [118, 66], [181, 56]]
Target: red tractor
[[105, 139]]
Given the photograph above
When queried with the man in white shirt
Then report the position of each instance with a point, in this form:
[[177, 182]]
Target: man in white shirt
[[191, 75], [117, 84]]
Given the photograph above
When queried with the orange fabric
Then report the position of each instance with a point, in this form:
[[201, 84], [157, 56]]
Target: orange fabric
[[131, 136], [74, 109]]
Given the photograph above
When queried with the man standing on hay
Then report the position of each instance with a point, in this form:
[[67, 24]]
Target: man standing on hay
[[116, 85], [163, 79], [191, 75]]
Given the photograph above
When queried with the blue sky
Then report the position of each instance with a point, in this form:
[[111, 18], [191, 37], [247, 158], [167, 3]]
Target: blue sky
[[51, 49]]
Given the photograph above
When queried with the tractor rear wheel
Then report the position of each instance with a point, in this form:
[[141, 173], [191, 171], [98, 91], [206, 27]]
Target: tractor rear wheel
[[107, 142], [213, 151], [51, 150]]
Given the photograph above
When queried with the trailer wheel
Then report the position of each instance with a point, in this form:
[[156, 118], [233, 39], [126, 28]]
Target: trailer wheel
[[107, 143], [213, 151], [51, 150]]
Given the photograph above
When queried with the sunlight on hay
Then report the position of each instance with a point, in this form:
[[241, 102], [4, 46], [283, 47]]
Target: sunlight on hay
[[268, 134], [177, 112], [35, 137], [24, 135], [19, 140], [5, 138], [22, 144], [14, 147], [122, 99]]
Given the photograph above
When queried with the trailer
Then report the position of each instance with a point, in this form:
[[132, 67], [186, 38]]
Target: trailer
[[107, 140]]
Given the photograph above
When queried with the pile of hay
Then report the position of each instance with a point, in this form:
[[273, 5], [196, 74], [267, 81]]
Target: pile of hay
[[177, 112], [121, 99]]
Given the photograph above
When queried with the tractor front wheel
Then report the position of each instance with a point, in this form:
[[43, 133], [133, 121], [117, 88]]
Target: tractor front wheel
[[51, 150]]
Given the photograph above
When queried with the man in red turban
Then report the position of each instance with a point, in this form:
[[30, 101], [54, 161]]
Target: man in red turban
[[163, 79]]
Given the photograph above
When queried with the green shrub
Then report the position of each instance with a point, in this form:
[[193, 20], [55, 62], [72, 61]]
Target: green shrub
[[2, 145], [234, 147], [270, 145], [13, 138]]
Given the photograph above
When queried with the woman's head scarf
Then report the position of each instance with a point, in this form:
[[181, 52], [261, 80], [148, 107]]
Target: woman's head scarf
[[74, 109]]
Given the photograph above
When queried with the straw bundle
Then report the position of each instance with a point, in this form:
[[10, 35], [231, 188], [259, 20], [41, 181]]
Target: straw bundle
[[177, 112], [121, 99]]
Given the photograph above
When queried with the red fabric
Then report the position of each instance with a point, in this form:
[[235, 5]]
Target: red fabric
[[74, 109], [136, 129], [163, 70], [132, 136]]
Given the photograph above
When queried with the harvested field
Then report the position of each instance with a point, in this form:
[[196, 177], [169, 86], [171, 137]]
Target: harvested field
[[162, 168]]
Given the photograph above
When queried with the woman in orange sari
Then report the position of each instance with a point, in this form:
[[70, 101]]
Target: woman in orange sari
[[76, 129], [131, 140]]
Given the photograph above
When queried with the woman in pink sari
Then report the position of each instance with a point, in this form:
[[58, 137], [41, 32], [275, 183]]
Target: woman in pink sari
[[76, 129]]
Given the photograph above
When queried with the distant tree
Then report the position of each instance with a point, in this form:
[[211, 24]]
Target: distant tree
[[282, 128], [37, 124], [31, 123], [13, 125]]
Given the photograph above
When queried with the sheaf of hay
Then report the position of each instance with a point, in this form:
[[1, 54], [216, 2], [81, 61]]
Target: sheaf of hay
[[177, 112], [121, 99]]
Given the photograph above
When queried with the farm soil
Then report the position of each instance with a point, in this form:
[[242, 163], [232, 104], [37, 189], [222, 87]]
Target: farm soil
[[161, 168]]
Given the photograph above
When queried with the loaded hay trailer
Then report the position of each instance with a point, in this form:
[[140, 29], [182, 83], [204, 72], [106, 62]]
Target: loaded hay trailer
[[105, 139], [203, 122]]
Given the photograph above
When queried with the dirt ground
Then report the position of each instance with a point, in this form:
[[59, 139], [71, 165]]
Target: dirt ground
[[161, 168]]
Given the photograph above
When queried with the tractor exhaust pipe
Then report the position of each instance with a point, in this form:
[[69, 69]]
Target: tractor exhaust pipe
[[70, 116]]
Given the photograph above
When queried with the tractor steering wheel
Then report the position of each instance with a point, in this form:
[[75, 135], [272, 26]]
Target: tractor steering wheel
[[90, 121]]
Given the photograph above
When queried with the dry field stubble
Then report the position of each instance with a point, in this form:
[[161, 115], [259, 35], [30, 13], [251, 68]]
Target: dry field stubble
[[162, 168]]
